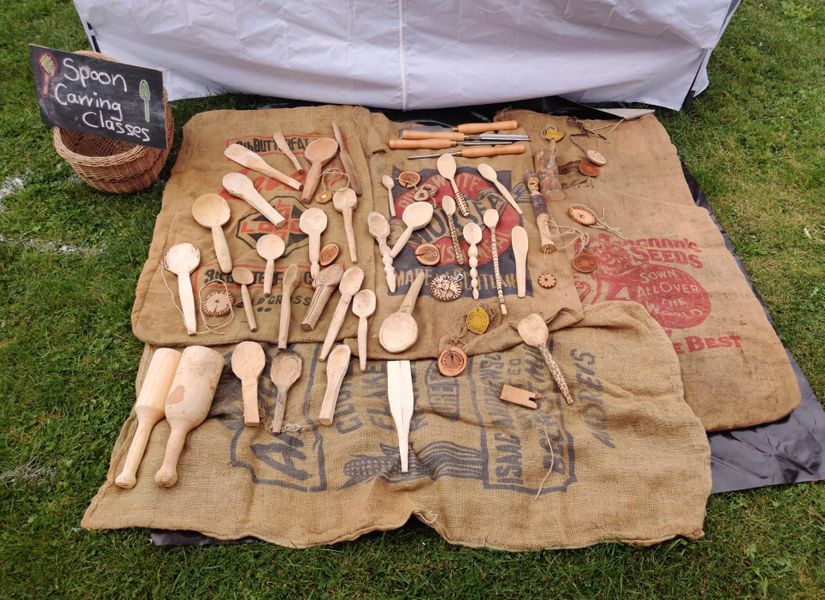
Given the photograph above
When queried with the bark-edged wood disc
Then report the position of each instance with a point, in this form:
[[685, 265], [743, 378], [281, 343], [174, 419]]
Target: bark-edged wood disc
[[409, 179], [328, 254], [581, 215], [547, 280], [428, 254], [588, 168], [452, 361], [217, 303], [585, 263]]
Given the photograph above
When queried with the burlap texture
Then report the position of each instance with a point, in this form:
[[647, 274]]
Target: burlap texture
[[628, 461]]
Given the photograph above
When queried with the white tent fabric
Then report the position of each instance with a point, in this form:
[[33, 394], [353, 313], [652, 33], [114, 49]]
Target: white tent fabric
[[424, 54]]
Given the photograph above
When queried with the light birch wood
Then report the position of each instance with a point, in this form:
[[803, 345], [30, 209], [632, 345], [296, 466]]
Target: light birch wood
[[540, 211], [491, 220], [318, 152], [448, 206], [489, 173], [472, 235], [244, 277], [402, 405], [286, 369], [388, 183], [313, 222], [289, 283], [241, 186], [336, 371], [248, 361], [247, 158], [519, 396], [212, 211], [281, 142], [446, 167], [325, 285], [346, 160], [533, 330], [379, 229], [350, 284], [520, 245], [421, 144], [548, 174], [345, 201], [475, 128], [415, 216], [182, 259], [399, 331], [270, 247], [363, 306]]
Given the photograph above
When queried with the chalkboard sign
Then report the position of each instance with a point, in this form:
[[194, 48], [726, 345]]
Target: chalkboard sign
[[98, 96]]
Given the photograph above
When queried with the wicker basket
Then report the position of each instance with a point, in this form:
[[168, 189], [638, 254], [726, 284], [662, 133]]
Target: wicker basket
[[113, 165]]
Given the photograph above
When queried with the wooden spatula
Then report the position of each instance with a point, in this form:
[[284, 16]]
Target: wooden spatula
[[520, 244], [245, 157], [241, 186], [402, 402]]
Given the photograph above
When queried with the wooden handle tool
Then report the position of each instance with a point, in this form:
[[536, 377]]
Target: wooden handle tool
[[241, 186], [472, 128], [346, 160], [246, 158], [540, 210], [280, 141], [149, 410], [423, 144], [289, 283], [427, 134], [336, 371], [480, 151]]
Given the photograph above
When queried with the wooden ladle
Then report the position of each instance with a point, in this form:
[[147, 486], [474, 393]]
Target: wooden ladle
[[345, 201], [212, 210], [244, 277], [313, 223], [388, 183], [350, 284], [270, 247], [182, 259], [247, 158], [286, 369], [248, 361], [489, 173], [416, 216], [363, 306], [533, 330], [241, 186], [319, 152], [399, 330], [379, 228]]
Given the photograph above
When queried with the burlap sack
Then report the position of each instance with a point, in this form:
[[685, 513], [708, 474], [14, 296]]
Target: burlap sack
[[200, 168], [627, 461]]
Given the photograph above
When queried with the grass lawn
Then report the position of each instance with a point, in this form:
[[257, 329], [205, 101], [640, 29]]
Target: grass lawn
[[71, 257]]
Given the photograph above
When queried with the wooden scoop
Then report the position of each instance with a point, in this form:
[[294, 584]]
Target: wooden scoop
[[345, 201], [399, 330], [241, 186], [533, 330], [248, 360], [472, 235], [379, 228], [270, 247], [363, 306], [489, 173], [290, 279], [182, 259], [212, 210], [286, 369], [313, 223], [491, 220], [350, 284], [446, 167], [325, 285], [520, 244], [336, 370], [416, 216], [245, 157], [319, 152], [244, 277], [388, 183]]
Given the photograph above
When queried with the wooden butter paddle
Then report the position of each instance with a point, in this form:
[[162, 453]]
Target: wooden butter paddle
[[241, 186], [248, 361], [182, 259], [212, 210], [245, 157]]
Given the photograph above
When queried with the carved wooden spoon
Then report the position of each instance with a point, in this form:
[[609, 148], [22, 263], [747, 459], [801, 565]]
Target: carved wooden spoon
[[379, 228], [345, 201], [399, 330], [212, 210], [241, 186], [489, 173], [313, 223], [363, 306], [270, 247], [286, 369], [182, 259], [245, 157], [388, 183], [350, 284], [533, 330], [244, 277], [416, 216], [319, 152], [290, 279], [248, 360]]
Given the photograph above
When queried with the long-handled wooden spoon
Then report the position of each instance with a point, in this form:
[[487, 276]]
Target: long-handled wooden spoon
[[399, 330], [245, 157], [489, 173], [241, 186], [313, 223], [336, 371], [270, 247], [248, 361], [286, 369], [472, 235], [447, 168], [318, 152], [244, 277], [363, 306], [290, 279], [533, 330], [182, 259], [379, 229], [448, 205], [212, 210], [344, 201], [350, 284], [325, 285], [388, 183], [346, 160], [416, 216], [491, 220], [520, 244]]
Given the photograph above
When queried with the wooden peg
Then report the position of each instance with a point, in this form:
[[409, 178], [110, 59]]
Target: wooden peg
[[337, 366], [519, 396]]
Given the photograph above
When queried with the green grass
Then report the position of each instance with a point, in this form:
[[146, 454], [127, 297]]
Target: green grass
[[754, 141]]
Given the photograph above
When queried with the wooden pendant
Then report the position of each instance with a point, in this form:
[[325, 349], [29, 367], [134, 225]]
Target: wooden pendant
[[446, 288], [478, 320], [452, 361]]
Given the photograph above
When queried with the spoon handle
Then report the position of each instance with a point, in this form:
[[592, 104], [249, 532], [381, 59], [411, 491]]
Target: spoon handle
[[391, 202], [350, 234], [221, 250], [507, 196], [314, 251], [247, 307], [459, 199], [497, 271], [401, 242], [555, 371], [389, 269], [362, 343], [286, 317], [408, 304], [459, 254], [249, 390], [187, 304], [473, 262], [269, 274], [278, 413]]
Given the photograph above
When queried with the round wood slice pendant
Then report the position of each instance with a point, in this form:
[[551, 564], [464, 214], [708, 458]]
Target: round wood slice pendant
[[328, 254], [452, 361], [551, 134], [588, 168], [323, 198], [445, 288], [408, 179], [217, 304], [581, 215], [428, 255], [585, 263], [597, 158], [478, 320], [547, 280], [421, 195]]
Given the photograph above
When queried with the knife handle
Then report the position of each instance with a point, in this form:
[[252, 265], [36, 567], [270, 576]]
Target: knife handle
[[423, 134], [430, 144], [473, 128], [482, 151]]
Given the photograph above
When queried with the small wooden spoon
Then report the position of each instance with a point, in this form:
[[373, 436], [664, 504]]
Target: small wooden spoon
[[520, 244], [290, 279], [446, 168], [286, 369], [212, 210], [345, 201], [182, 259], [313, 223], [388, 183], [248, 360], [489, 173], [416, 216], [319, 152], [363, 306], [325, 285], [379, 229], [336, 370], [533, 330], [244, 277], [399, 330], [350, 284], [245, 157], [241, 186], [270, 247], [472, 235], [491, 220], [448, 205]]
